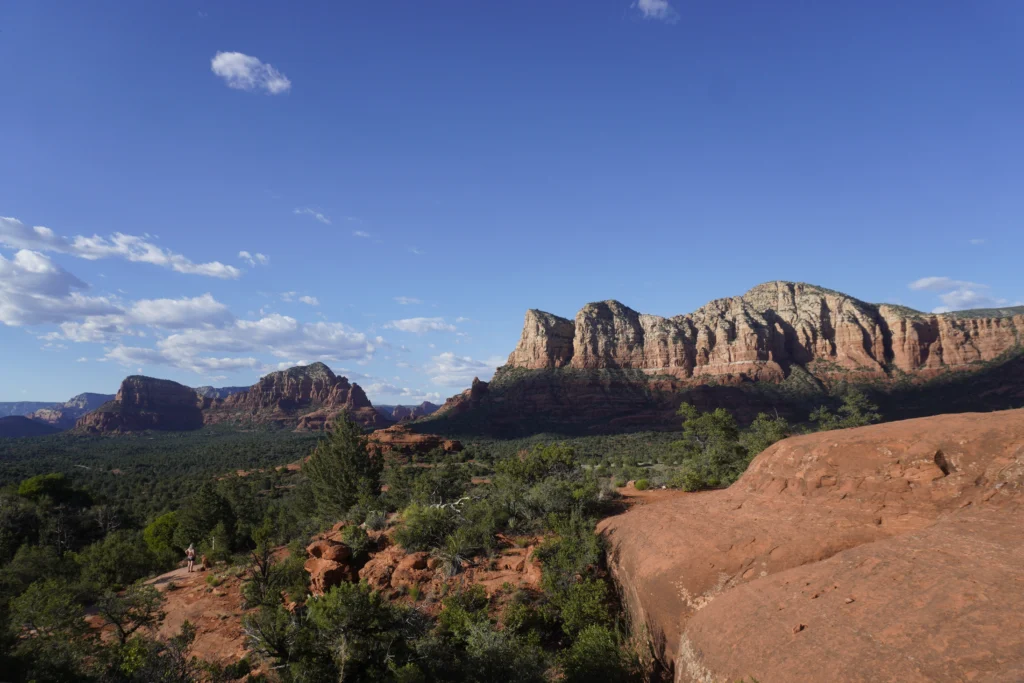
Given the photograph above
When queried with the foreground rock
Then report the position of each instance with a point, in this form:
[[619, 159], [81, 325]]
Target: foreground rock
[[891, 552], [614, 369]]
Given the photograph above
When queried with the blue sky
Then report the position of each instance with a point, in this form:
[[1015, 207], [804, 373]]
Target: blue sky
[[407, 178]]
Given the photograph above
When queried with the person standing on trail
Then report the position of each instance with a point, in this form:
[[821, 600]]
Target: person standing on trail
[[190, 555]]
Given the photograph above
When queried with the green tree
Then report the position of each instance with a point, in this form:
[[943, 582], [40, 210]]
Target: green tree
[[763, 432], [53, 637], [713, 455], [136, 608], [341, 470], [856, 410], [118, 560], [159, 536]]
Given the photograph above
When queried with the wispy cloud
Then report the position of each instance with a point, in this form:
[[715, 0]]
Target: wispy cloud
[[659, 10], [326, 220], [459, 371], [958, 295], [254, 259], [309, 300], [360, 233], [245, 72], [17, 235], [407, 300], [978, 241], [421, 325], [415, 250]]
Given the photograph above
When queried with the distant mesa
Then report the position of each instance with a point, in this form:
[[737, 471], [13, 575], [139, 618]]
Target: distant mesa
[[304, 398], [399, 439], [145, 403], [614, 369], [407, 413], [19, 426], [65, 415], [218, 392]]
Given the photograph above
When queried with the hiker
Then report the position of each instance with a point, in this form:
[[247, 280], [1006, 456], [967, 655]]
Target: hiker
[[190, 555]]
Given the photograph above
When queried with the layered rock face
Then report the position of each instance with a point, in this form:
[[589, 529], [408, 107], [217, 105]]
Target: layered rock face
[[65, 415], [760, 335], [308, 397], [145, 403], [891, 548], [218, 392], [407, 413]]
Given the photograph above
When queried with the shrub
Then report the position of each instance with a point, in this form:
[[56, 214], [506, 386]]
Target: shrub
[[213, 580], [642, 484], [425, 527], [341, 470], [414, 592], [376, 520], [357, 541], [620, 482], [596, 657], [857, 410], [583, 604]]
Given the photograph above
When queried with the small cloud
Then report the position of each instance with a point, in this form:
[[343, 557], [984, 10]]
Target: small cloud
[[658, 10], [287, 297], [978, 242], [415, 250], [254, 259], [407, 300], [461, 319], [83, 359], [938, 284], [244, 72], [421, 325], [309, 300], [326, 220], [360, 233]]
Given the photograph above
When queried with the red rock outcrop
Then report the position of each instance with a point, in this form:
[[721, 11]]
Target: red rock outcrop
[[401, 439], [889, 552], [328, 565], [760, 334], [145, 403], [65, 415], [307, 397]]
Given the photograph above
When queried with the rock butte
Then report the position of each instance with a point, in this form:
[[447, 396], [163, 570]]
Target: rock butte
[[758, 335], [304, 398], [613, 369], [891, 552]]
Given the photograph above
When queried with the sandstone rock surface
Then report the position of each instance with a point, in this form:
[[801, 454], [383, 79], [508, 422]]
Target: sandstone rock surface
[[760, 334], [307, 397], [65, 415], [890, 552], [145, 403], [401, 439]]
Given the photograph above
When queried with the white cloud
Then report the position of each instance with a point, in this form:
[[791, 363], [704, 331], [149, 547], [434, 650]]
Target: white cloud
[[326, 220], [938, 284], [310, 300], [978, 242], [659, 10], [415, 250], [16, 235], [388, 389], [360, 233], [254, 259], [461, 319], [35, 290], [421, 325], [83, 359], [958, 295], [244, 72], [407, 300], [200, 311], [458, 371]]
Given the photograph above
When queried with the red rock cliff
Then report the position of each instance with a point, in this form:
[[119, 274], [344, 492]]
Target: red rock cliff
[[306, 396], [145, 403], [760, 334]]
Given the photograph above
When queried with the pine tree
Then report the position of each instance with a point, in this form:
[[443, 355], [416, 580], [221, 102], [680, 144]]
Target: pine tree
[[341, 471]]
